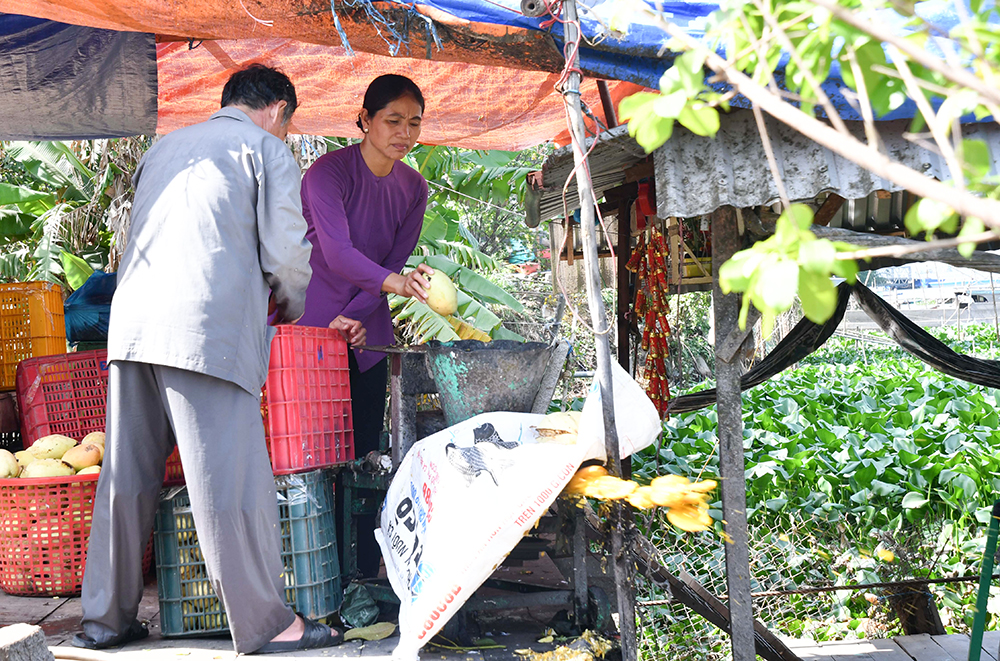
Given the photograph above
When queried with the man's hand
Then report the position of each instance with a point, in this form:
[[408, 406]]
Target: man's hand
[[412, 285], [352, 330]]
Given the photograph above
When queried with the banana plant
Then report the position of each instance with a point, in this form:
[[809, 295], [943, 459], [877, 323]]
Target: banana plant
[[459, 177], [53, 202]]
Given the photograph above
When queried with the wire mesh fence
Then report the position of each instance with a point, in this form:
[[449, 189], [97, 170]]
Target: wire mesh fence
[[796, 571]]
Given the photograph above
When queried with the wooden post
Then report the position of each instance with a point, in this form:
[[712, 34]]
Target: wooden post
[[620, 517], [726, 242]]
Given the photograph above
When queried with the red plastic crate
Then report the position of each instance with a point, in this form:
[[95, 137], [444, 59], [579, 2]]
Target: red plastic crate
[[44, 532], [64, 394], [308, 404]]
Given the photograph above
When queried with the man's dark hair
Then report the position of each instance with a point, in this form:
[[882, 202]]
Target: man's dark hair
[[257, 87], [385, 89]]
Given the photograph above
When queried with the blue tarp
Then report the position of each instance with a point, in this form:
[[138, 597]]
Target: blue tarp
[[636, 57]]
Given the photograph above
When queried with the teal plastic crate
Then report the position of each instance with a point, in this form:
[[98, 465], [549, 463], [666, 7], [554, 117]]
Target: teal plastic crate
[[306, 508]]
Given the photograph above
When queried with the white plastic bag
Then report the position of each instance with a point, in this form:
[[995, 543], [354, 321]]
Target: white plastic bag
[[463, 498], [636, 419]]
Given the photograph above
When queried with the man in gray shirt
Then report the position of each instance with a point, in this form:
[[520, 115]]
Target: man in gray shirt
[[216, 238]]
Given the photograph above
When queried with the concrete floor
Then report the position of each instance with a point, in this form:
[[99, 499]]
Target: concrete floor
[[60, 619]]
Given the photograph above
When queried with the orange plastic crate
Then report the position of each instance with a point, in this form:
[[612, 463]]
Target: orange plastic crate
[[31, 324]]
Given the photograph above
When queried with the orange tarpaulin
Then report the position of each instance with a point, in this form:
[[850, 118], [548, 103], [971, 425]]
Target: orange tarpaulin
[[310, 21], [472, 106]]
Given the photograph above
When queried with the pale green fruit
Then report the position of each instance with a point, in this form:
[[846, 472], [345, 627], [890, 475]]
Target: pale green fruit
[[8, 465], [442, 297], [53, 446], [47, 468]]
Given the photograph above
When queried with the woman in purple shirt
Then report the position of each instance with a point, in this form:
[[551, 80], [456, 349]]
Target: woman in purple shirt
[[365, 210]]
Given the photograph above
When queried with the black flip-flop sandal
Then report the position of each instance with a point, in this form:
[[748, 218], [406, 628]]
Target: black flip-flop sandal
[[136, 631], [314, 636]]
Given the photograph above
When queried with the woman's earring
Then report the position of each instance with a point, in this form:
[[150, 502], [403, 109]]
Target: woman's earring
[[365, 130]]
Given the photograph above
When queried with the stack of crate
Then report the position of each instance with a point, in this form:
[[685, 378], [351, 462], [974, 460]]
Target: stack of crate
[[32, 323], [307, 418]]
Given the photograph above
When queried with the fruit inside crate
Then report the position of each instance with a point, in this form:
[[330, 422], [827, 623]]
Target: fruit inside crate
[[31, 324], [189, 605]]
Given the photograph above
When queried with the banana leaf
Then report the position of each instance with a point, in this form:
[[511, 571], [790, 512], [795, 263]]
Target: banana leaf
[[18, 195], [14, 264], [501, 333], [55, 164], [75, 269], [480, 316], [423, 323], [14, 226]]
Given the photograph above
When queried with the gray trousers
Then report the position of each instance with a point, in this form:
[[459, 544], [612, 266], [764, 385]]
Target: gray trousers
[[218, 429]]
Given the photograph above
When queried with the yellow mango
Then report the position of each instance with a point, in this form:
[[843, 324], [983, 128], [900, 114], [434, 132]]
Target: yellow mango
[[442, 297], [83, 456], [53, 446]]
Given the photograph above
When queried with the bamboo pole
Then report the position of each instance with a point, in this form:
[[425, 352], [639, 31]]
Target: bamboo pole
[[620, 518]]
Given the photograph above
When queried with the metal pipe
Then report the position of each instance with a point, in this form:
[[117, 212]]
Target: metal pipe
[[610, 117], [620, 517]]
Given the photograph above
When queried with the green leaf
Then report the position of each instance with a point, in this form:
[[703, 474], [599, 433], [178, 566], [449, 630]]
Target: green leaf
[[929, 215], [777, 285], [636, 106], [75, 269], [17, 195], [818, 295], [424, 324], [653, 133], [690, 73], [913, 500], [977, 159], [670, 106], [971, 227], [817, 256], [880, 488], [700, 119], [501, 333]]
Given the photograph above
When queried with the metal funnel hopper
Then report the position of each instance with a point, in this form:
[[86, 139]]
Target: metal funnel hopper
[[475, 377]]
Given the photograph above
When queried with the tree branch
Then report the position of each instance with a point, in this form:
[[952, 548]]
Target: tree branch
[[845, 145]]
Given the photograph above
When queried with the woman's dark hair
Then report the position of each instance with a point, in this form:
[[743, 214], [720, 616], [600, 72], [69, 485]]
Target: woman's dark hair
[[257, 87], [385, 89]]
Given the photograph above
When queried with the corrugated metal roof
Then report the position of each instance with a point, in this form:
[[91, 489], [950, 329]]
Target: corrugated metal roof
[[696, 175], [608, 161]]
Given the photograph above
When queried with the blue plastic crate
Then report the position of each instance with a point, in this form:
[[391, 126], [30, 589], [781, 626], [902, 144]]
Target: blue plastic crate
[[189, 605]]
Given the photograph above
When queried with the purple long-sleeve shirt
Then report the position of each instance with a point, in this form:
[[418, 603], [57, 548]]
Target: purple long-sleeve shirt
[[362, 228]]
